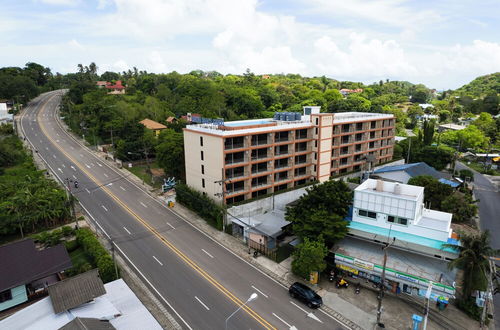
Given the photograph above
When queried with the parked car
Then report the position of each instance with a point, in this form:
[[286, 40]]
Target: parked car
[[305, 294]]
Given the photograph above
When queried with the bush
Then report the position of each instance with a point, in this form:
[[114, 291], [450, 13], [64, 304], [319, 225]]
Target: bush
[[98, 254], [470, 308], [200, 204], [464, 174], [49, 238], [71, 245], [67, 231]]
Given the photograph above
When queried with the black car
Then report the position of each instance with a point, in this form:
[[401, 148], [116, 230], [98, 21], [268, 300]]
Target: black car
[[305, 294]]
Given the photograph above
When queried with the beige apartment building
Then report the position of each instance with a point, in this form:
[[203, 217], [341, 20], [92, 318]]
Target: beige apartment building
[[250, 158]]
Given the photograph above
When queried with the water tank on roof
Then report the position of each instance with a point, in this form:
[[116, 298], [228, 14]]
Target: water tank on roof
[[298, 116], [283, 116], [276, 116], [290, 116]]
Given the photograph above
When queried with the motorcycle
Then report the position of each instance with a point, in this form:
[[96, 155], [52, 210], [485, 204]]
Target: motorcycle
[[331, 278], [341, 283], [76, 184], [358, 289]]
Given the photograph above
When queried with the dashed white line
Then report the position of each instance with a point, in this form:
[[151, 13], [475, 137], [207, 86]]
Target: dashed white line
[[72, 147], [122, 188], [262, 293], [87, 190], [81, 155], [170, 225], [74, 169], [54, 156], [74, 177], [279, 318], [87, 165], [106, 175], [92, 164], [208, 254], [302, 309], [158, 261], [59, 169], [201, 302], [63, 165], [41, 141], [104, 207], [57, 141], [127, 230], [46, 148], [143, 204], [57, 134], [99, 164], [36, 134]]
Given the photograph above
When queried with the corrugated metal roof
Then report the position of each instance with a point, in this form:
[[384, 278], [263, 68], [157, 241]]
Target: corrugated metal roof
[[414, 169], [21, 263], [75, 291], [450, 183], [83, 323]]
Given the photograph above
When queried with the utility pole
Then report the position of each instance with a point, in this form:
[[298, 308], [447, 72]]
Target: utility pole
[[427, 302], [488, 293], [382, 284], [409, 148], [113, 254], [222, 194], [72, 202]]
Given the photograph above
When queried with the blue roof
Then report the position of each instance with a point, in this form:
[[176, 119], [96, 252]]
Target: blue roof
[[450, 183], [414, 169]]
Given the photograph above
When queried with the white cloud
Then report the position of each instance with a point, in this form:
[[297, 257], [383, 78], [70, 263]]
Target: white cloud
[[61, 2]]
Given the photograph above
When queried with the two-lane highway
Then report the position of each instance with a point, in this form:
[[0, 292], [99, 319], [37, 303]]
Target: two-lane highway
[[197, 279]]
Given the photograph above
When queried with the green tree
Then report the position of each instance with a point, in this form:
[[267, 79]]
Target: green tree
[[435, 192], [428, 132], [461, 206], [436, 156], [414, 112], [474, 253], [308, 257], [321, 211], [420, 94], [170, 153]]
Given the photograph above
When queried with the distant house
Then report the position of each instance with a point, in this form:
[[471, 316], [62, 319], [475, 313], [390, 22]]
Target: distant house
[[84, 302], [171, 120], [153, 125], [266, 76], [116, 88], [5, 116], [450, 127], [403, 173], [189, 117], [346, 91], [26, 272]]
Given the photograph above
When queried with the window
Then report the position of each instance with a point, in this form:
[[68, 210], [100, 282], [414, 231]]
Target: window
[[202, 155], [316, 131], [367, 214], [317, 123], [399, 221], [203, 183], [315, 143], [202, 169], [5, 295], [373, 124], [201, 141]]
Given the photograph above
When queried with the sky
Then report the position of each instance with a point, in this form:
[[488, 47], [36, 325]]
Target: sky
[[443, 44]]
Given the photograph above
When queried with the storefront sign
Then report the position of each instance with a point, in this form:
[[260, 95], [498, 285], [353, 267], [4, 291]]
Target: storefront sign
[[349, 269], [363, 264], [406, 278]]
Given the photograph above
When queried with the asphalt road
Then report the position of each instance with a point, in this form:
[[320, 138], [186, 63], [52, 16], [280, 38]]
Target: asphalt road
[[200, 282], [489, 213]]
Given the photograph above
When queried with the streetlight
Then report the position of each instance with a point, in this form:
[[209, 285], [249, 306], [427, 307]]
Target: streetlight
[[252, 297]]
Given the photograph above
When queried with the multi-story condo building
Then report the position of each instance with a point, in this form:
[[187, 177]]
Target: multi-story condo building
[[261, 156]]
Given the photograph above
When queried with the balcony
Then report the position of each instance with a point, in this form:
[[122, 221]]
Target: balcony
[[259, 154], [301, 134], [236, 172], [280, 151], [281, 163], [300, 147], [282, 176], [235, 158], [300, 159], [233, 188], [260, 181], [261, 139], [234, 143], [259, 168]]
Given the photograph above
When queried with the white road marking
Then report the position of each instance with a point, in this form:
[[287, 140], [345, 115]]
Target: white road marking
[[81, 155], [74, 177], [59, 169], [208, 254], [170, 225], [92, 164], [106, 175], [46, 148], [57, 134], [63, 165], [302, 309], [262, 293], [104, 207], [74, 169], [36, 134], [41, 141], [122, 188], [279, 318], [127, 230], [87, 165], [57, 141], [72, 147], [54, 156], [87, 190], [32, 127], [201, 302], [143, 204], [99, 164], [158, 261]]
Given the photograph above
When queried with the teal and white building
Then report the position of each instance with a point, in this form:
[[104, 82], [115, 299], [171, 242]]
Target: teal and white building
[[393, 213]]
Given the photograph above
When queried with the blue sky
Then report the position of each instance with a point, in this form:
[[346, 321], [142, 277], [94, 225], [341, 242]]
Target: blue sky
[[441, 43]]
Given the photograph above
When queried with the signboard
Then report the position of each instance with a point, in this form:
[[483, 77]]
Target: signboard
[[363, 264], [349, 269], [406, 278], [313, 277]]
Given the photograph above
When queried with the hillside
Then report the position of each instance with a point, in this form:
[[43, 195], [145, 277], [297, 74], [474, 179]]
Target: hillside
[[482, 86]]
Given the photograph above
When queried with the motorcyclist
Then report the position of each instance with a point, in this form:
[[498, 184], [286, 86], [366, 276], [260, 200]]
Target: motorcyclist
[[76, 184]]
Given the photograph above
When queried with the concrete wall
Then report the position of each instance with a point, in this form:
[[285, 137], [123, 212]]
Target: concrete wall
[[400, 176], [266, 204], [18, 297]]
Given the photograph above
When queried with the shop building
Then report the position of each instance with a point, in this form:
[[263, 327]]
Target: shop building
[[262, 156], [392, 213]]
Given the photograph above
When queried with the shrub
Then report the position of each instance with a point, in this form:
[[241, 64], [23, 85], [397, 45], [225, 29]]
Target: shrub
[[201, 204], [67, 231], [71, 245], [470, 308], [464, 174]]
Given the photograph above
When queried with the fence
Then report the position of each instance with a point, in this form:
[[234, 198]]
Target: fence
[[277, 254]]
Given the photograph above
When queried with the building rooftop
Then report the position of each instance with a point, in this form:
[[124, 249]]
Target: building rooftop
[[454, 127], [84, 323], [75, 291], [22, 263], [151, 124], [392, 189], [414, 169], [118, 305], [342, 117]]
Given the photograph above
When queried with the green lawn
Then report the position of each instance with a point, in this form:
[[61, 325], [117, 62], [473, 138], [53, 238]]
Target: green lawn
[[140, 172], [480, 168]]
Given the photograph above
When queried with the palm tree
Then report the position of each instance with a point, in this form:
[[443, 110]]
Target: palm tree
[[473, 259]]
